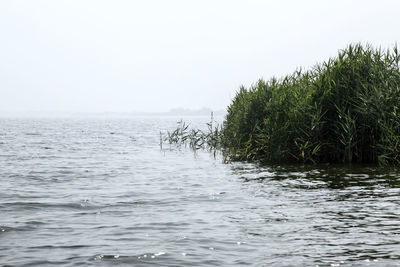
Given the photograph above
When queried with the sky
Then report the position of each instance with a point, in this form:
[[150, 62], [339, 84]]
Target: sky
[[156, 55]]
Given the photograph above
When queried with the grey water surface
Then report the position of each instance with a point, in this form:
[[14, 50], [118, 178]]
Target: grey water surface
[[100, 192]]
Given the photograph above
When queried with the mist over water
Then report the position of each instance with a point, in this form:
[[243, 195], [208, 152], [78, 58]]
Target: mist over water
[[100, 192]]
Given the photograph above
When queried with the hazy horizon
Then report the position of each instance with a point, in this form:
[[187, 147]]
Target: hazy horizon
[[174, 112], [153, 56]]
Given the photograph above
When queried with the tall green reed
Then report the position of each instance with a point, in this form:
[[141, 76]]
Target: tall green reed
[[343, 110]]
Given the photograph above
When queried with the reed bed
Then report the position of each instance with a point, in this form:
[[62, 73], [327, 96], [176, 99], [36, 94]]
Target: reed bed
[[343, 110]]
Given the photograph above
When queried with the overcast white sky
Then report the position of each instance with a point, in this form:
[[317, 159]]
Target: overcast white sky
[[154, 55]]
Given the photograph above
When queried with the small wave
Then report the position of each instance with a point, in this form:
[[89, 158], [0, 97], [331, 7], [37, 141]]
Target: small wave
[[22, 228], [60, 247], [44, 205], [134, 259], [32, 133], [44, 263]]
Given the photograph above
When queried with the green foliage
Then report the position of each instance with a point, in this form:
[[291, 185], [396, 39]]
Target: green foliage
[[208, 139], [343, 110]]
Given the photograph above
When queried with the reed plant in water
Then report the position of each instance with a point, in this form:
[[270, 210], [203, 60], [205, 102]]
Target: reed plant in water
[[343, 110], [196, 139]]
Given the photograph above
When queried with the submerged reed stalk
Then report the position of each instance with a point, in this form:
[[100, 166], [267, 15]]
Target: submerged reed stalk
[[195, 139]]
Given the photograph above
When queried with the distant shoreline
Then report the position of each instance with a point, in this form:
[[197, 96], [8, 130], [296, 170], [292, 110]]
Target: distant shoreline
[[70, 114]]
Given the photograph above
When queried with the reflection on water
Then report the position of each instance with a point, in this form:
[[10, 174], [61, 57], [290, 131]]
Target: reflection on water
[[82, 192], [335, 214]]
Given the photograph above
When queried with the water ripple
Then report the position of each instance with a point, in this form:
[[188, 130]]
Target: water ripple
[[89, 192]]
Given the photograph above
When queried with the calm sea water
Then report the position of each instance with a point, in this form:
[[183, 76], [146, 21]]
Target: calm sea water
[[100, 192]]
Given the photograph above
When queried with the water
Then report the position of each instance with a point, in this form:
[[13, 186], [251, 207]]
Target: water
[[99, 192]]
